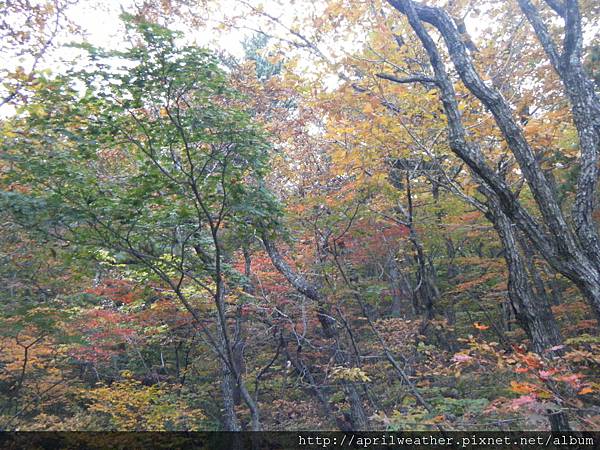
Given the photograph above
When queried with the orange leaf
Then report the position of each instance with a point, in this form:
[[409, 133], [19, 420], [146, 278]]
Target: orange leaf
[[531, 361], [480, 326], [585, 390], [522, 388]]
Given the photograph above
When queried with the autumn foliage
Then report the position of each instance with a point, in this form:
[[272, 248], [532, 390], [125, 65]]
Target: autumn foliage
[[382, 216]]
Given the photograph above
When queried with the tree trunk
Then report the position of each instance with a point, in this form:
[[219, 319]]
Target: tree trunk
[[228, 386], [532, 311], [400, 289], [239, 337], [226, 350], [301, 284]]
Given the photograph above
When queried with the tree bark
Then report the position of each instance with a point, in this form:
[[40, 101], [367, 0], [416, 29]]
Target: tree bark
[[571, 251], [532, 311], [228, 386]]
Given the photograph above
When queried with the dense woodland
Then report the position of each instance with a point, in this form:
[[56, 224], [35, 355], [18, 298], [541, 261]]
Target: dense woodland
[[380, 215]]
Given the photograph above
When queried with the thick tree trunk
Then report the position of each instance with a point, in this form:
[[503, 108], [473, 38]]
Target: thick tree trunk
[[230, 420], [531, 308], [358, 416], [532, 311]]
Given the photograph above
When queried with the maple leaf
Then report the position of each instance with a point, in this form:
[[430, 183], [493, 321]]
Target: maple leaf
[[480, 326], [522, 388]]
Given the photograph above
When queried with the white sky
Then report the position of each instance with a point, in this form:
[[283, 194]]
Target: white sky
[[103, 28]]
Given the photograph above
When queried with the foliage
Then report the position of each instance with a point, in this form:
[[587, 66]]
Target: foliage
[[134, 407], [290, 240]]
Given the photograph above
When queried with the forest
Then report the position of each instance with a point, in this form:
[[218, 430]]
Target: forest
[[282, 215]]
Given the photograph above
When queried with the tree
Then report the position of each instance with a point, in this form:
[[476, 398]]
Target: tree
[[150, 165], [571, 249]]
